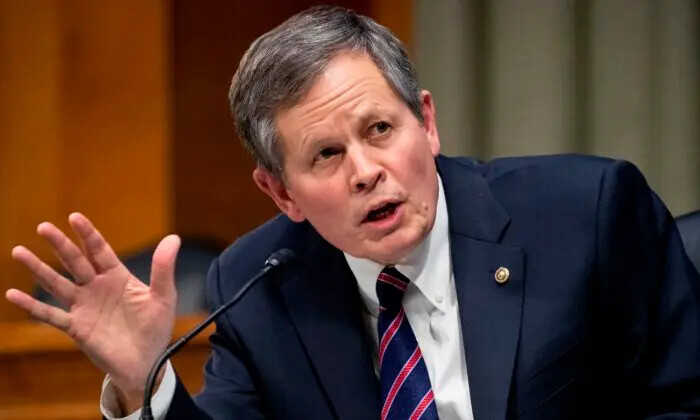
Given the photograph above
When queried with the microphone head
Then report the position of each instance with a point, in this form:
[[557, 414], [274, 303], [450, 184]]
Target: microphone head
[[280, 257]]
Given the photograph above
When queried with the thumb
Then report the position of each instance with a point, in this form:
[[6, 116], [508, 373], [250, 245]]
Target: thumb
[[163, 266]]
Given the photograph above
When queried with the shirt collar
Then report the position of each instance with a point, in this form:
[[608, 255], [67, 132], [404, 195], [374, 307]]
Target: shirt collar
[[428, 266]]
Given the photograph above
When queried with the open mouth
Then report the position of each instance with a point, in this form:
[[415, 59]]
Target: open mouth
[[381, 213]]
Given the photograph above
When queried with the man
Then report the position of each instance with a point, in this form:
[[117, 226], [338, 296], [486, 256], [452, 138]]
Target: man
[[423, 286]]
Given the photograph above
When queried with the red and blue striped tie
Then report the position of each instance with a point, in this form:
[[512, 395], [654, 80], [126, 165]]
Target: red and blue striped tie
[[406, 390]]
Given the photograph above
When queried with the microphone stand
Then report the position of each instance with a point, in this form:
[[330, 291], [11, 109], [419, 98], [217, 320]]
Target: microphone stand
[[277, 259]]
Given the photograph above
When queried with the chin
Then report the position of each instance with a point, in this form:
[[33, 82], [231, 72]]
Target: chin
[[395, 247]]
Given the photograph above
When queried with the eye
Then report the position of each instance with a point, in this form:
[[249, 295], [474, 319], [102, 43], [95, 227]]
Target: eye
[[326, 153], [379, 128]]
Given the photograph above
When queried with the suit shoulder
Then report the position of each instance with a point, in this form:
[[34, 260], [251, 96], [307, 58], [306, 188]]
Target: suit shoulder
[[559, 180], [560, 172], [247, 255], [572, 164]]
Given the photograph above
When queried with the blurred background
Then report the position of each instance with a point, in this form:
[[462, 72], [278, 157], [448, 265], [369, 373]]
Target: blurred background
[[118, 109]]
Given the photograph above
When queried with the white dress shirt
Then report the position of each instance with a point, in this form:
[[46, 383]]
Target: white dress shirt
[[431, 307]]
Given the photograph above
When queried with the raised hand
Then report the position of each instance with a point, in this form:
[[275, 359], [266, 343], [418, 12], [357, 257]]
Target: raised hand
[[120, 323]]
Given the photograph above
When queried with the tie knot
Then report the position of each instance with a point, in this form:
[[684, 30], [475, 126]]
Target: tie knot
[[391, 285]]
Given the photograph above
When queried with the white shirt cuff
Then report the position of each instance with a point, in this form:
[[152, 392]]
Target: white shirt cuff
[[159, 403]]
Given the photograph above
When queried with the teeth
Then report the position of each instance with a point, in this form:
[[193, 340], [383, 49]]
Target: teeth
[[380, 213]]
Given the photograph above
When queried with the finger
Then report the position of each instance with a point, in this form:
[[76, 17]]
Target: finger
[[59, 287], [39, 310], [163, 266], [96, 248], [68, 253]]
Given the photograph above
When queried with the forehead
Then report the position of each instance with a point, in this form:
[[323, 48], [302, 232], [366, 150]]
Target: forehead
[[343, 71], [350, 84]]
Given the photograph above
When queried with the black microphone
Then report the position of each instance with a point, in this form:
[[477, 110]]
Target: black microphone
[[276, 259]]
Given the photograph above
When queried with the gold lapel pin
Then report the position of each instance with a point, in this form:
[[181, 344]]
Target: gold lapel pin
[[502, 275]]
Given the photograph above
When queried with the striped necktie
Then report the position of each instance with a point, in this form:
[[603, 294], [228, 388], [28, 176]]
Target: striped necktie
[[406, 389]]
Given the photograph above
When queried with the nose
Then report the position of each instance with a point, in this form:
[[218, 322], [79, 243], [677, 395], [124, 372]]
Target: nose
[[367, 172]]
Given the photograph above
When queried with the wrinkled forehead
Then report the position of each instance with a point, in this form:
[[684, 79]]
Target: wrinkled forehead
[[350, 88], [302, 86]]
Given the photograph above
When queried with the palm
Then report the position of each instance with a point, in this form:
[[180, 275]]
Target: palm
[[119, 322]]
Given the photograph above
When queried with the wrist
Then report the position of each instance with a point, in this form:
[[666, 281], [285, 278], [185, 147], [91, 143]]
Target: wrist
[[131, 398]]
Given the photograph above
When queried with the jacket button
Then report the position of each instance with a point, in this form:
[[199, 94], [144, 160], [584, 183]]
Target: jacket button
[[502, 275]]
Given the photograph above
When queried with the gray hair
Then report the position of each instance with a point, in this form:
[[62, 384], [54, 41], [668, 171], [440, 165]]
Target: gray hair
[[281, 65]]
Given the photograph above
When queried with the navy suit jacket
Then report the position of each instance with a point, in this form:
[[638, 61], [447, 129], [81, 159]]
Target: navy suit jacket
[[600, 317], [689, 228]]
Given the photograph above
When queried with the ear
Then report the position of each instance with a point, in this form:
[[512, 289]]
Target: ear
[[275, 188], [429, 122]]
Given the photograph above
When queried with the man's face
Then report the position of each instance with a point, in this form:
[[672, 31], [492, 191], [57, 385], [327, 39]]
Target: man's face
[[358, 165]]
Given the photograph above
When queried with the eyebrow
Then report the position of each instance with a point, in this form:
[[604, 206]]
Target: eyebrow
[[367, 115], [312, 144]]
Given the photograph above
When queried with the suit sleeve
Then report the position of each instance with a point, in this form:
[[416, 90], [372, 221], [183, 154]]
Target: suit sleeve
[[229, 391], [651, 301]]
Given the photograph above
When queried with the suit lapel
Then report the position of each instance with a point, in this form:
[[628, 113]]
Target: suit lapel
[[324, 304], [490, 318], [490, 313]]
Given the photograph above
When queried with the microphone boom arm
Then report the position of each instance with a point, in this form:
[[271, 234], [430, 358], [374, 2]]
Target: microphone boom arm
[[277, 259]]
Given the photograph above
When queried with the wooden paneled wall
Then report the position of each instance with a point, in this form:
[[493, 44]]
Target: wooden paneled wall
[[84, 123]]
